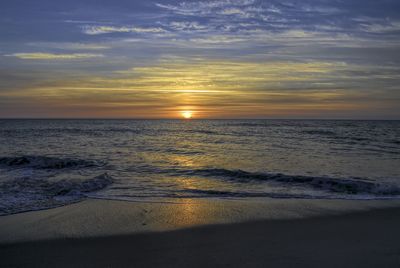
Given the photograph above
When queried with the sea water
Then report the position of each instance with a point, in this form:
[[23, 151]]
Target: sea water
[[49, 163]]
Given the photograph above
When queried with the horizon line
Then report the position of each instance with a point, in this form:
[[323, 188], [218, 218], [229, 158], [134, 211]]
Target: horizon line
[[191, 119]]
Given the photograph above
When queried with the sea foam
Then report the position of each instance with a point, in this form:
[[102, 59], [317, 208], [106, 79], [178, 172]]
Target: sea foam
[[25, 194]]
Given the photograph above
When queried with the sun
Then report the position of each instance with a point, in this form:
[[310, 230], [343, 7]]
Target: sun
[[187, 114]]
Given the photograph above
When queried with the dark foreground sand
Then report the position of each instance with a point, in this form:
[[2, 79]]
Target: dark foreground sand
[[357, 239]]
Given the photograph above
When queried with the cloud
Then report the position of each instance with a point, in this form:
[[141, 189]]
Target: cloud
[[384, 27], [255, 37], [261, 52], [232, 11], [200, 75], [232, 24], [218, 87], [204, 7], [70, 45], [320, 9], [187, 26], [95, 30], [51, 56]]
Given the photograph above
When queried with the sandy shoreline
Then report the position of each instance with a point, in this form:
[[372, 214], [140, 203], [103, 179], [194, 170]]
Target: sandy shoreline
[[96, 217], [207, 233]]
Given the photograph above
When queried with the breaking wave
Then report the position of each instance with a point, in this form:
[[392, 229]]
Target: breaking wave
[[44, 162], [351, 186], [25, 194]]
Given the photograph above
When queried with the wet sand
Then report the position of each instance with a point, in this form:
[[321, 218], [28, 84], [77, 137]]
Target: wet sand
[[291, 233]]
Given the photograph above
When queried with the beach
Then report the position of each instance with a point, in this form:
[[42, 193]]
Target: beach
[[204, 193], [210, 133], [205, 233]]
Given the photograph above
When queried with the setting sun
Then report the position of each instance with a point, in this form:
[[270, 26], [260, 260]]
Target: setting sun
[[187, 114]]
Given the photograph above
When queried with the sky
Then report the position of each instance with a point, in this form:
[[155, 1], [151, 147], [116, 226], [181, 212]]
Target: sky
[[217, 59]]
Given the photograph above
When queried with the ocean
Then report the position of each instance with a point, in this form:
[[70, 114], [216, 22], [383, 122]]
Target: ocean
[[50, 163]]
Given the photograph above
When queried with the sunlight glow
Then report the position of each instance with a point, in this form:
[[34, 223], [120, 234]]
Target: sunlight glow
[[187, 114]]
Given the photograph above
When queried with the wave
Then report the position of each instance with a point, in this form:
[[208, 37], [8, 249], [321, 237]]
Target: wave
[[251, 124], [72, 130], [44, 162], [347, 186], [319, 132], [350, 186], [25, 194], [200, 131], [394, 142]]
